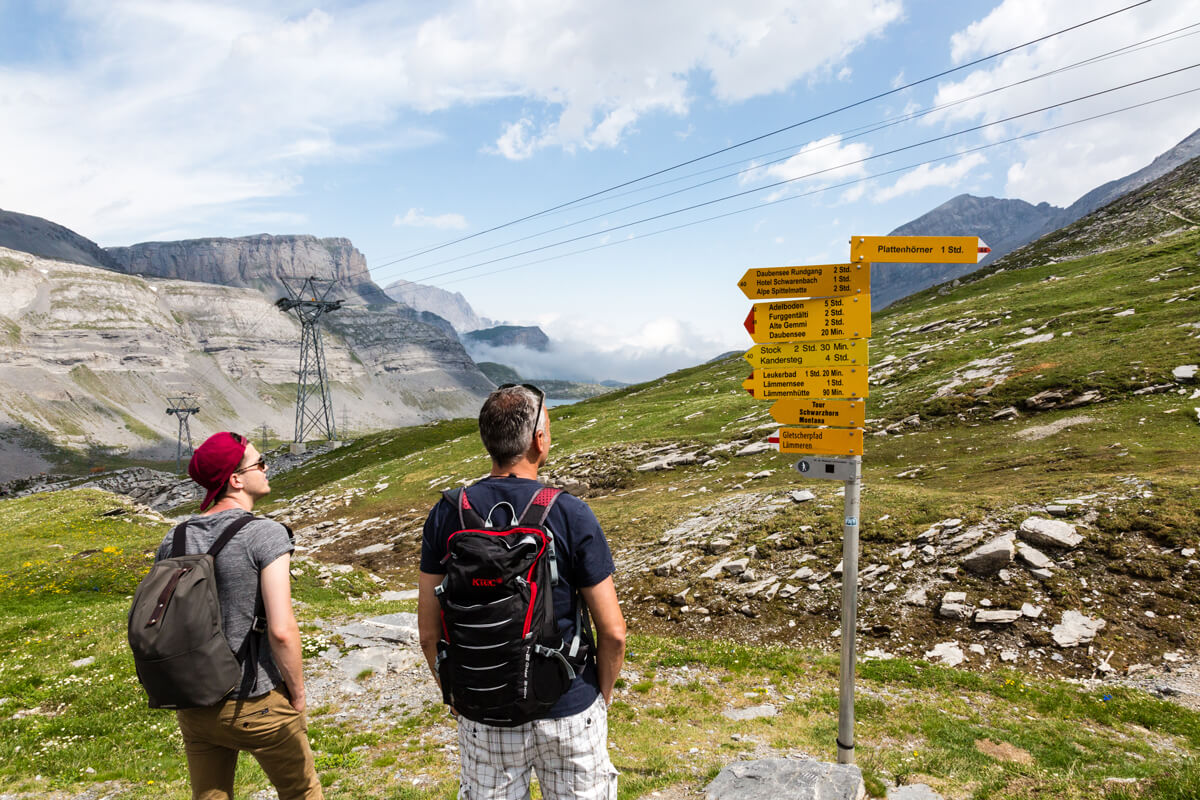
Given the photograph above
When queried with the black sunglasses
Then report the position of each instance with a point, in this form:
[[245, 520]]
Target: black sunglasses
[[537, 418], [260, 464]]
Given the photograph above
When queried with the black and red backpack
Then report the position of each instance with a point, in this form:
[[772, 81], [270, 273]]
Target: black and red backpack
[[502, 660]]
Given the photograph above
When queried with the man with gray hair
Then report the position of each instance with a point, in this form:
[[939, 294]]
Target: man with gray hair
[[567, 745]]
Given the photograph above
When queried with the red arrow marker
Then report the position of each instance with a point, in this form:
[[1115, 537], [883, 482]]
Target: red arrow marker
[[748, 384], [749, 323]]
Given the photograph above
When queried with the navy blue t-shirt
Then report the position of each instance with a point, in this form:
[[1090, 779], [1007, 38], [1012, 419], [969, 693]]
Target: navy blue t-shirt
[[581, 551]]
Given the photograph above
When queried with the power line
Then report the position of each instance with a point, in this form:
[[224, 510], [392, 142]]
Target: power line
[[831, 187], [775, 132], [835, 139], [812, 174]]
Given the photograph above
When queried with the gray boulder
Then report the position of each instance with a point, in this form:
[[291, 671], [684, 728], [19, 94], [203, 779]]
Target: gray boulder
[[1050, 533], [1076, 629], [795, 779], [1034, 557], [997, 616], [991, 557]]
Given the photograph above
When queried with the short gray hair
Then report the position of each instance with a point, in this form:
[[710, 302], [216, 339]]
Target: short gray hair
[[507, 425]]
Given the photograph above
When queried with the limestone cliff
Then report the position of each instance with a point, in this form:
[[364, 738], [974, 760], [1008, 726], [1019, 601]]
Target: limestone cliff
[[89, 356], [261, 262]]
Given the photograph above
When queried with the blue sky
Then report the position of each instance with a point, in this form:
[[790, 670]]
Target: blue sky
[[403, 125]]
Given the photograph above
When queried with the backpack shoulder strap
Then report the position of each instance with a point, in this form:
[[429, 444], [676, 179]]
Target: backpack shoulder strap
[[468, 517], [539, 507], [179, 541], [228, 533]]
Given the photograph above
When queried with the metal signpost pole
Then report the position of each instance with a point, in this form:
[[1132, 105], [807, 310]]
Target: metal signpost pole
[[845, 740]]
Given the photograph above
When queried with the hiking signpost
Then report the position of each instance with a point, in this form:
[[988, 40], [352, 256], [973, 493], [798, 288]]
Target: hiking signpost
[[811, 358]]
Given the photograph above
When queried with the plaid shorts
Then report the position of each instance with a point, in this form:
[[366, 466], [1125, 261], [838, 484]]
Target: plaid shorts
[[570, 755]]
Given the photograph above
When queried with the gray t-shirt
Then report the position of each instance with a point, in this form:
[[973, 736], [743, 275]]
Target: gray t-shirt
[[238, 564]]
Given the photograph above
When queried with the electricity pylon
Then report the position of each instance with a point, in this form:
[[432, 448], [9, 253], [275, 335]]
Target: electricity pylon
[[314, 406], [182, 408]]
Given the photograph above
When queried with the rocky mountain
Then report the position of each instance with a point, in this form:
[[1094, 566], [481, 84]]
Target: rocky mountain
[[528, 336], [31, 234], [1006, 225], [90, 355], [450, 306], [261, 262]]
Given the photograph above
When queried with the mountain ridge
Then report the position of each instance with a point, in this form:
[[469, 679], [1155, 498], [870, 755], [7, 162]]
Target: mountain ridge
[[1005, 226]]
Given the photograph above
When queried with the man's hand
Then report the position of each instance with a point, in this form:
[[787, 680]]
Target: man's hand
[[429, 619], [602, 602]]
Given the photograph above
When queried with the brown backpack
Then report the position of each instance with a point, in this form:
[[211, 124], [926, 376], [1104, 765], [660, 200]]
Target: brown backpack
[[182, 657]]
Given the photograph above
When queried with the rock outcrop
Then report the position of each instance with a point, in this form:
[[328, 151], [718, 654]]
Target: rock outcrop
[[450, 306], [260, 262], [528, 336]]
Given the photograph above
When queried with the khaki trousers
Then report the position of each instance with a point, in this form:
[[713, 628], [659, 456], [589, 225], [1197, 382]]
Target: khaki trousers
[[268, 728]]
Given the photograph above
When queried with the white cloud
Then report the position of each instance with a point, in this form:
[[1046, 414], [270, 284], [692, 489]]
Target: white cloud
[[819, 163], [583, 350], [166, 111], [928, 175], [1061, 166], [416, 218]]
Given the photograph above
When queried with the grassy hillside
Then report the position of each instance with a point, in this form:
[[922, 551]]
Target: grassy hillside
[[72, 715]]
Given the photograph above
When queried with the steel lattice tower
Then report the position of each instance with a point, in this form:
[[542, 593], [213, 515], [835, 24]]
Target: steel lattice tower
[[314, 406], [182, 408]]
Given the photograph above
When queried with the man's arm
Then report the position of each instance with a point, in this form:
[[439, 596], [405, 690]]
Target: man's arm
[[282, 631], [429, 619], [602, 602]]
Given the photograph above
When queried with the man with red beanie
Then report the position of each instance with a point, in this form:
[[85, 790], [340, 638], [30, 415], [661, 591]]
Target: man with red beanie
[[265, 715]]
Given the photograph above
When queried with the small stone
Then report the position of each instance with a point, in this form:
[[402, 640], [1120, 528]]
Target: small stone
[[1058, 510], [916, 597], [718, 546], [802, 496], [1129, 312], [751, 712], [84, 662], [1009, 656], [948, 653], [736, 567], [1041, 574], [997, 616], [1006, 414], [1044, 400], [977, 649], [753, 449], [766, 473], [680, 598], [1031, 611]]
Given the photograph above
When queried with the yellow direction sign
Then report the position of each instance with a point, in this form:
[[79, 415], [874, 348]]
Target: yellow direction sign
[[806, 382], [836, 413], [793, 320], [819, 441], [807, 354], [816, 280], [918, 249]]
